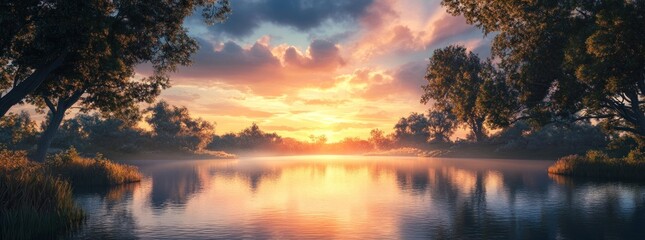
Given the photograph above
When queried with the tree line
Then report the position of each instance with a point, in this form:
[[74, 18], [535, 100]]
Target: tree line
[[173, 129]]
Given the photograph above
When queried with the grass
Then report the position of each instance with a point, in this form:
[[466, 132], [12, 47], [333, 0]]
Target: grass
[[36, 199], [33, 204], [596, 164], [83, 172]]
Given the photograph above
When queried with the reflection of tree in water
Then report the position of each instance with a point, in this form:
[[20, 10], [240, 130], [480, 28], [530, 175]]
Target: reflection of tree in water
[[619, 215], [174, 184], [460, 207], [109, 216]]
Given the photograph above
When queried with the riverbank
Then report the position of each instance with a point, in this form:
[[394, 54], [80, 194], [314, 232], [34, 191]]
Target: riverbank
[[161, 155], [36, 198], [598, 165]]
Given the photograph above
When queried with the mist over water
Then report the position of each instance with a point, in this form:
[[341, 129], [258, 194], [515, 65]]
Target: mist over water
[[356, 197]]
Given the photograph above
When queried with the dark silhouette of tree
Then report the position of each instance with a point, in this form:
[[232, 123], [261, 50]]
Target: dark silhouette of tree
[[379, 140], [441, 125], [254, 138], [94, 133], [412, 131], [17, 131], [39, 37], [570, 60], [98, 72], [456, 85], [174, 129]]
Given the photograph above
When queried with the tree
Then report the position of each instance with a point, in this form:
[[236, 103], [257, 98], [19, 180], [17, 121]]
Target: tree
[[174, 129], [412, 131], [379, 140], [254, 138], [17, 131], [38, 37], [98, 72], [441, 125], [569, 60], [106, 135], [456, 84]]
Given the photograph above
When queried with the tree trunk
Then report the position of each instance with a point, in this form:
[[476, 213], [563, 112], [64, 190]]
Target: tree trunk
[[58, 113], [20, 91], [478, 131], [46, 139]]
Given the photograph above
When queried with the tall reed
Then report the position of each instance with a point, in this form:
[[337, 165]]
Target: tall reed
[[98, 171], [596, 164], [33, 204]]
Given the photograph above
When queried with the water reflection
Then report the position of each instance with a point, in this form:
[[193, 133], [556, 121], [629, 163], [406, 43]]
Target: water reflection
[[357, 197]]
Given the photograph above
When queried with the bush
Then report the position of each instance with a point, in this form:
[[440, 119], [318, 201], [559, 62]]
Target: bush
[[33, 204], [90, 172], [597, 164]]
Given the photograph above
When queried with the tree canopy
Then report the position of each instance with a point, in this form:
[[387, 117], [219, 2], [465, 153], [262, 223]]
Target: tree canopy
[[99, 52], [41, 37], [568, 60], [461, 84]]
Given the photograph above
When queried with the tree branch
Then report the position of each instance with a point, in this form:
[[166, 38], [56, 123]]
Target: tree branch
[[49, 104]]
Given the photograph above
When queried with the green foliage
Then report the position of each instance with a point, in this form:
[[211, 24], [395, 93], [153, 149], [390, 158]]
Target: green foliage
[[98, 171], [412, 131], [18, 131], [569, 60], [93, 133], [597, 164], [621, 146], [251, 138], [33, 204], [100, 46], [174, 129], [557, 139], [462, 85], [441, 125]]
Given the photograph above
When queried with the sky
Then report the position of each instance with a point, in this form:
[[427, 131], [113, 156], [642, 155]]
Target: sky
[[301, 67]]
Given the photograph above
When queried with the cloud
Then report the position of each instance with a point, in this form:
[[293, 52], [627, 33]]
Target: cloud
[[302, 15], [321, 54], [391, 27], [262, 68]]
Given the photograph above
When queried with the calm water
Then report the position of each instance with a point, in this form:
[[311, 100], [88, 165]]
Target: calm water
[[352, 197]]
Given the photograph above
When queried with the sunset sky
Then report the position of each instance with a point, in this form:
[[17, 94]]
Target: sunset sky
[[333, 68]]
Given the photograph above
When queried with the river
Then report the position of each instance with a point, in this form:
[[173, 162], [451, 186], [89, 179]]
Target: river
[[358, 197]]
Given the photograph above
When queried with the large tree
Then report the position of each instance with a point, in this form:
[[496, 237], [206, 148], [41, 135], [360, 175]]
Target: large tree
[[441, 125], [174, 129], [99, 74], [460, 84], [412, 130], [38, 37], [569, 60]]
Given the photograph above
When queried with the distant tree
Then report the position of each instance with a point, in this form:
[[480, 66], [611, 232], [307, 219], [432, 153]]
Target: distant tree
[[17, 131], [39, 37], [107, 135], [379, 140], [254, 138], [569, 60], [456, 84], [352, 145], [555, 139], [412, 131], [441, 125], [318, 140], [99, 73], [174, 129]]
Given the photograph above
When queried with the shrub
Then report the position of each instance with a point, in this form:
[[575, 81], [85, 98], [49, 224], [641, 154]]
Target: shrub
[[96, 171], [33, 204], [597, 164]]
